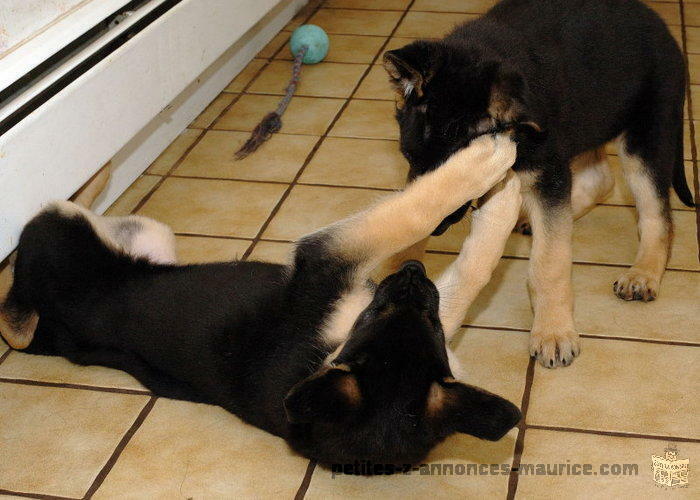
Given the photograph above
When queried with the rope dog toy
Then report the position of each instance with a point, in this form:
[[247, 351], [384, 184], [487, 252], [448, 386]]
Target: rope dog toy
[[309, 45]]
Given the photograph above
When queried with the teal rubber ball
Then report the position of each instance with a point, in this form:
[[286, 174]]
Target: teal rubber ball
[[315, 38]]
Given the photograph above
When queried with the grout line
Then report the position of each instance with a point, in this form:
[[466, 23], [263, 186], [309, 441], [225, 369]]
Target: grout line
[[575, 262], [313, 151], [217, 237], [5, 354], [304, 486], [522, 426], [102, 475], [64, 385], [691, 125], [41, 496], [512, 329], [613, 433], [678, 343]]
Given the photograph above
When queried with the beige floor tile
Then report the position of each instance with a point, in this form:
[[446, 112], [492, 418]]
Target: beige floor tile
[[201, 451], [692, 13], [318, 80], [456, 454], [278, 159], [695, 93], [621, 386], [693, 39], [357, 162], [493, 360], [309, 208], [368, 4], [272, 251], [59, 439], [431, 24], [469, 6], [5, 281], [376, 85], [60, 370], [273, 45], [356, 22], [174, 152], [677, 32], [621, 195], [606, 235], [212, 112], [346, 49], [133, 195], [670, 12], [551, 447], [196, 250], [694, 66], [213, 207], [504, 302], [3, 346], [246, 75], [305, 115], [396, 42], [367, 119]]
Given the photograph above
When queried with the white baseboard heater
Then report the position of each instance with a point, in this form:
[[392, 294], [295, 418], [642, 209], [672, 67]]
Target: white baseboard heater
[[112, 80]]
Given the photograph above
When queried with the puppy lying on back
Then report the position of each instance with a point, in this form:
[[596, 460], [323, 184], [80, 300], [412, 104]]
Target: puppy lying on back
[[313, 352]]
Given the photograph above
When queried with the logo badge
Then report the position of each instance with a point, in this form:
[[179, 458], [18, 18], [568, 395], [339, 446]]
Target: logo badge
[[669, 470]]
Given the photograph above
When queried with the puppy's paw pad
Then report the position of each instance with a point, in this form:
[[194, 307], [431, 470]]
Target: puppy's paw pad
[[636, 284], [554, 348]]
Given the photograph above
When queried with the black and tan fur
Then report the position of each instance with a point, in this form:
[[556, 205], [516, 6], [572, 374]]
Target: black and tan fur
[[570, 75], [343, 369]]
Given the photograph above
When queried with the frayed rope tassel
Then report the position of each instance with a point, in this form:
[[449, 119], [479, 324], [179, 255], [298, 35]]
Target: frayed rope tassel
[[272, 122]]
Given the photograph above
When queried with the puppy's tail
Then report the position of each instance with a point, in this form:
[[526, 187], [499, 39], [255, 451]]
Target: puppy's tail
[[680, 183]]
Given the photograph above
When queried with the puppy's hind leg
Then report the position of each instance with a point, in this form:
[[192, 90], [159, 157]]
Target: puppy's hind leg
[[651, 152]]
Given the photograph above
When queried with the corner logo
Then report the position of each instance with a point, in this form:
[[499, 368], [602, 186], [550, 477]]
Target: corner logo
[[669, 471]]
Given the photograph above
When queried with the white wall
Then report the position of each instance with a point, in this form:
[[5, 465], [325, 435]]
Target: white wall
[[20, 19]]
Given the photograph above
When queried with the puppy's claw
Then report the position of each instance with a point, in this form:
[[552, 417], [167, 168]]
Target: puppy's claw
[[636, 284], [554, 348]]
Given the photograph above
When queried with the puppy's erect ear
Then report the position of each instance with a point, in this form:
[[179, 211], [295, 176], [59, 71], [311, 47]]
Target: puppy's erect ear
[[330, 395], [469, 410], [411, 67], [509, 100]]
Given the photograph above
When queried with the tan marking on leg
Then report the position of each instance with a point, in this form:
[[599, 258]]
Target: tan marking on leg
[[18, 333], [87, 194], [641, 281], [152, 240], [553, 339], [592, 181], [491, 226]]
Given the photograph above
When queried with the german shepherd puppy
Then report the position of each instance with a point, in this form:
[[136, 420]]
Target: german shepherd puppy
[[571, 75], [344, 370]]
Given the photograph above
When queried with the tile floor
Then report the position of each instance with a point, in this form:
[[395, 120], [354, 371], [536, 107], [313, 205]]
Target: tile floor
[[78, 432]]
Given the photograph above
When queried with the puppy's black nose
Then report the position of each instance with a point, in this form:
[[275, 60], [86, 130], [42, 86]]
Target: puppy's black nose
[[413, 266]]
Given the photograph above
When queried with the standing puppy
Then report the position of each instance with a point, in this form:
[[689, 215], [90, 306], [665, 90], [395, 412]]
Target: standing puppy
[[571, 75]]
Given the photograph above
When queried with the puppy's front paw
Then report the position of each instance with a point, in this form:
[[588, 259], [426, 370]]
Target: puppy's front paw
[[636, 284], [553, 348]]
